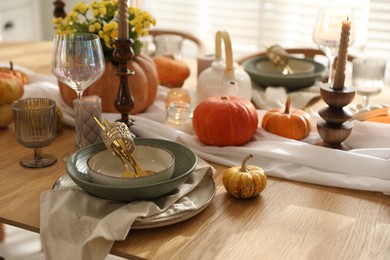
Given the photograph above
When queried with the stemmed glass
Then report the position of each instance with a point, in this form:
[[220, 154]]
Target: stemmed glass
[[35, 127], [327, 30], [368, 76], [78, 61]]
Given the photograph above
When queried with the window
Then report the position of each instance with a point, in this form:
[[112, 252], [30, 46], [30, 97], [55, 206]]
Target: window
[[253, 23]]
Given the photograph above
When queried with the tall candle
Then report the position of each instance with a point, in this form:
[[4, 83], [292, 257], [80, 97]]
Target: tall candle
[[339, 78], [123, 24]]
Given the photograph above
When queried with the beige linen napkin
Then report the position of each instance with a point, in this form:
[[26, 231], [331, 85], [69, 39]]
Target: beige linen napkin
[[75, 225], [275, 97]]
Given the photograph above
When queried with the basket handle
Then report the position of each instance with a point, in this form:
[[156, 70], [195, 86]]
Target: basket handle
[[228, 50]]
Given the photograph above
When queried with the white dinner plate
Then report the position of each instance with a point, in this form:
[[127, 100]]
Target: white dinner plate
[[201, 196]]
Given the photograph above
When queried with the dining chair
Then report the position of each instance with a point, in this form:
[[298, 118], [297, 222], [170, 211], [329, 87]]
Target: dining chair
[[187, 37]]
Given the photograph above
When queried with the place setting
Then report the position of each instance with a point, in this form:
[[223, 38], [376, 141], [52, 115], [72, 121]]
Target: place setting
[[146, 182]]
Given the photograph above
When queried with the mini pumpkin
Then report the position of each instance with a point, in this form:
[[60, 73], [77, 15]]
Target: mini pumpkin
[[171, 72], [244, 181], [225, 121], [289, 123], [17, 73]]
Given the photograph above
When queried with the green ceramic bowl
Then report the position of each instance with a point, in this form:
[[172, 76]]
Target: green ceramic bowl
[[185, 163], [291, 82]]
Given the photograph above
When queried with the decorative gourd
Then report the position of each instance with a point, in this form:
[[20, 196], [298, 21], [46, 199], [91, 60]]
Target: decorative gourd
[[11, 88], [143, 85], [19, 74], [245, 181], [290, 123], [171, 72], [225, 120]]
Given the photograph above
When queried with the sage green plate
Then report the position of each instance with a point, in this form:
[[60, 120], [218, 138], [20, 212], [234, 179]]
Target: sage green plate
[[185, 163], [291, 82]]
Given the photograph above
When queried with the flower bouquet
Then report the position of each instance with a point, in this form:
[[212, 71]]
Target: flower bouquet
[[101, 18]]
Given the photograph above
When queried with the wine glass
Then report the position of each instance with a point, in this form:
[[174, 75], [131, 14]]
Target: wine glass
[[368, 76], [327, 31], [78, 61], [35, 127]]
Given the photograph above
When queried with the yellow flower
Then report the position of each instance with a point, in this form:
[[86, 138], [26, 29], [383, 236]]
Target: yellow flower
[[101, 18], [81, 8]]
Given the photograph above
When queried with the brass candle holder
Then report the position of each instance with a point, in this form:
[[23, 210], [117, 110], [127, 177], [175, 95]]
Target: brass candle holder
[[124, 102]]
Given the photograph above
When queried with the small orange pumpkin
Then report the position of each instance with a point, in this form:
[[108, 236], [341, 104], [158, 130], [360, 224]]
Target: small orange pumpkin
[[290, 123], [171, 72], [143, 85], [245, 181], [225, 121], [19, 74]]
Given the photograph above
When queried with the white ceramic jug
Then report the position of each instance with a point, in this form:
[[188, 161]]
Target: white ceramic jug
[[223, 77]]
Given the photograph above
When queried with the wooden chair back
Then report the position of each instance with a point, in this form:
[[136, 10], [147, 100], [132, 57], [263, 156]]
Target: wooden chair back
[[185, 35]]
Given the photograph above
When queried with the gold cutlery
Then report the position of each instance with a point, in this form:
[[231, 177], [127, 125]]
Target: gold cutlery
[[118, 139]]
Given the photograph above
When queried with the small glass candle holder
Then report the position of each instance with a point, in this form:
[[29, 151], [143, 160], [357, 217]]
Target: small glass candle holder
[[168, 44], [92, 107], [177, 95], [179, 116]]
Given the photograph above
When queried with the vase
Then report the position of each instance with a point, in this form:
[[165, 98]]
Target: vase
[[143, 85]]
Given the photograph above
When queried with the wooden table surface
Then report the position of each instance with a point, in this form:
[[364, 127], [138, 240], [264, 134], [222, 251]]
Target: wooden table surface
[[289, 220]]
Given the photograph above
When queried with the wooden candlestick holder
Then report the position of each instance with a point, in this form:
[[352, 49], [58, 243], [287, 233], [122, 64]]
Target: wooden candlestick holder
[[335, 126], [124, 102]]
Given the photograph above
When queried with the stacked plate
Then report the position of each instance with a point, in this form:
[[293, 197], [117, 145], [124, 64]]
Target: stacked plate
[[185, 163], [263, 72]]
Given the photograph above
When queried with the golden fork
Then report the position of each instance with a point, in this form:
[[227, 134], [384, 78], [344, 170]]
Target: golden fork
[[118, 150], [122, 147]]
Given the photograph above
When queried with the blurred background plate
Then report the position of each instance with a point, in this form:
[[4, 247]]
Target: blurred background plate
[[185, 163], [260, 72]]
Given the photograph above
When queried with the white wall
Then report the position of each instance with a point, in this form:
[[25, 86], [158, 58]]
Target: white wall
[[47, 9]]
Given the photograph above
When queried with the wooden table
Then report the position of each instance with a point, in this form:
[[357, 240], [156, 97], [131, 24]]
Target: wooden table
[[290, 220]]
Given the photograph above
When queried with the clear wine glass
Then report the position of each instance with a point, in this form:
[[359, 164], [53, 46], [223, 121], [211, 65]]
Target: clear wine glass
[[368, 76], [35, 127], [78, 61], [327, 30]]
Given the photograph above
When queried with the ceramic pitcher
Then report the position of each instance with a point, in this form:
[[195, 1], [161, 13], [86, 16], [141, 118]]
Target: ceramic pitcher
[[224, 77]]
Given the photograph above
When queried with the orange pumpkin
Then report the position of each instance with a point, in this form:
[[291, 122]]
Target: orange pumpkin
[[290, 123], [171, 72], [11, 88], [20, 75], [143, 85], [226, 120]]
